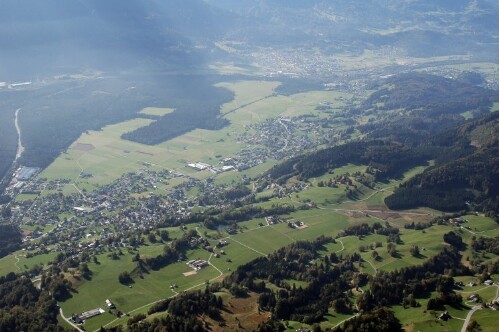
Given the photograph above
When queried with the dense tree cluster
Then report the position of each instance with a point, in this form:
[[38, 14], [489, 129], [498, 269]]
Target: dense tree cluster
[[194, 108], [433, 94], [8, 138], [364, 229], [379, 320], [328, 279], [483, 244], [454, 240], [10, 239], [25, 308], [183, 312], [389, 159]]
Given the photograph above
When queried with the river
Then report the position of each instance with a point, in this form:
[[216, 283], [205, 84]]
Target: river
[[20, 147]]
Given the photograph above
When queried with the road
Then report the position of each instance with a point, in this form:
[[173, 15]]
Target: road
[[468, 317], [17, 261], [288, 134], [342, 245]]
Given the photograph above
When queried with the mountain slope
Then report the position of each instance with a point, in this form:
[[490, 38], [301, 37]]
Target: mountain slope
[[467, 169], [419, 28]]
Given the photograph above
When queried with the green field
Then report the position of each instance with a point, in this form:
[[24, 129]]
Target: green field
[[154, 286]]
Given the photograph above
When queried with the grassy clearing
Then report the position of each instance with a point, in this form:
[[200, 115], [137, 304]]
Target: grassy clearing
[[156, 111], [482, 226], [8, 264], [154, 286], [487, 319], [419, 319]]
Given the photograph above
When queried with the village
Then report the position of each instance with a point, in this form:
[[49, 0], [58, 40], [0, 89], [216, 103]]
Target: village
[[112, 216]]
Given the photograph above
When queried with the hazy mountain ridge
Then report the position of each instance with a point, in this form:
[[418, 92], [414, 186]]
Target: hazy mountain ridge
[[42, 37], [422, 28]]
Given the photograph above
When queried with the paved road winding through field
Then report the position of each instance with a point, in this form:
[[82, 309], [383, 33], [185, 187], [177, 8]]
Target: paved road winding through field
[[468, 317]]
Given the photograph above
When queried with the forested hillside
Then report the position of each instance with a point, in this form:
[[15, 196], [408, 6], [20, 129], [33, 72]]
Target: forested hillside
[[466, 170], [8, 139], [413, 107]]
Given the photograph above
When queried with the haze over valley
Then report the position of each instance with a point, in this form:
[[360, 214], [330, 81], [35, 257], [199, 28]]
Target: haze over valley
[[254, 165]]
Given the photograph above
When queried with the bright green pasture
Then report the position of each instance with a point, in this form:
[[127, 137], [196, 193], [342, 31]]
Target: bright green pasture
[[17, 262], [419, 319], [482, 226], [488, 319], [8, 264], [154, 286]]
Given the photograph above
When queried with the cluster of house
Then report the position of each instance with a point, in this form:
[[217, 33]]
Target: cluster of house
[[271, 220], [197, 264], [98, 209], [281, 138], [296, 62], [20, 179], [296, 224], [214, 169], [110, 304], [285, 191], [494, 304], [81, 318], [457, 221]]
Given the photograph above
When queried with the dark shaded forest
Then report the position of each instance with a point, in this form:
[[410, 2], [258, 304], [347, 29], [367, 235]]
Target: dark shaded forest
[[197, 105], [388, 158], [466, 171], [54, 117], [25, 308], [10, 239], [8, 134]]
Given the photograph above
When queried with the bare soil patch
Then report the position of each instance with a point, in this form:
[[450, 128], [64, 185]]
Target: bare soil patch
[[190, 273], [190, 138], [84, 147], [385, 216], [353, 214], [240, 314]]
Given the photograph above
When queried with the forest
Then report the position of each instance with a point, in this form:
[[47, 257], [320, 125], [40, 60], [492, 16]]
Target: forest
[[10, 239], [466, 171], [414, 107], [388, 158], [8, 135], [25, 308], [53, 117]]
